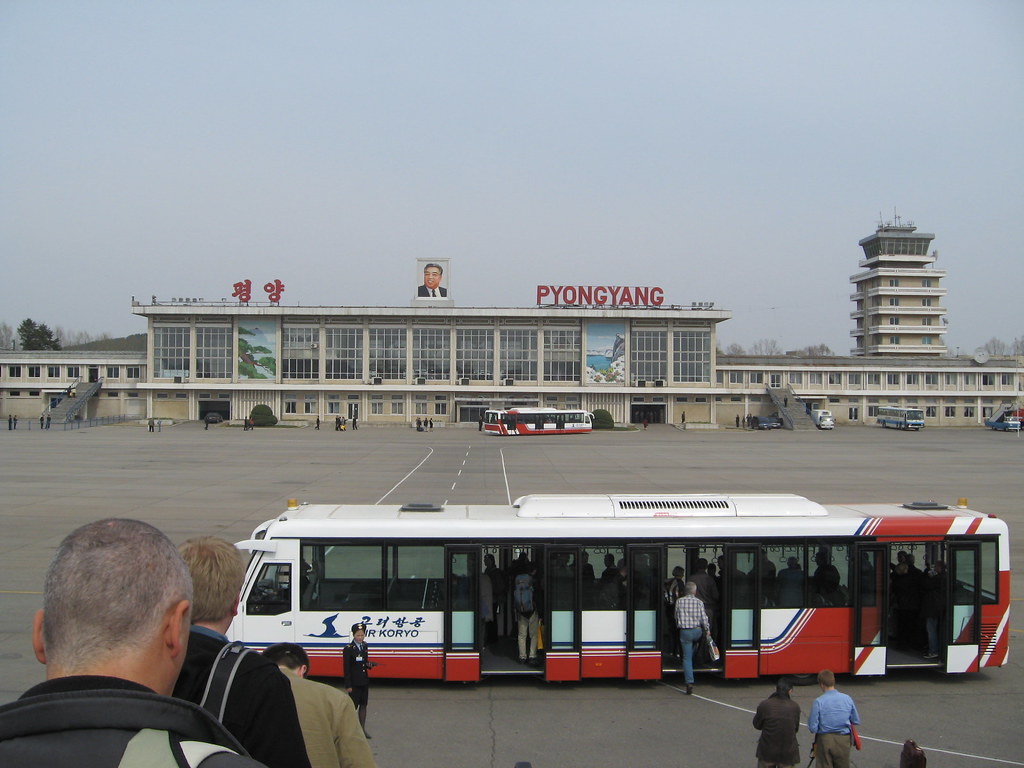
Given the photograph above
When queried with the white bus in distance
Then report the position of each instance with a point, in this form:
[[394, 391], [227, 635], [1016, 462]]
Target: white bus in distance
[[901, 418]]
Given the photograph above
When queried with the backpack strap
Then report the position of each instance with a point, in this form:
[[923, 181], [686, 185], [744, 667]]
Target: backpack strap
[[150, 748], [222, 675]]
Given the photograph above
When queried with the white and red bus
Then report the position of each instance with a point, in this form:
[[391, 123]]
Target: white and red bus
[[537, 421], [802, 586]]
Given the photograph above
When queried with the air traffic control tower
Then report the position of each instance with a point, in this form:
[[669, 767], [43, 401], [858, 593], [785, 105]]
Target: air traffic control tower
[[898, 295]]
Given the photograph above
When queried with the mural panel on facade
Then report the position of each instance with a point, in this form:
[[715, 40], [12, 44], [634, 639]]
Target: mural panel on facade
[[257, 349], [606, 353]]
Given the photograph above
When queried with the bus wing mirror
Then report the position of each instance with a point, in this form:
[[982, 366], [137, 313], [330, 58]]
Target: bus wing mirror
[[257, 545]]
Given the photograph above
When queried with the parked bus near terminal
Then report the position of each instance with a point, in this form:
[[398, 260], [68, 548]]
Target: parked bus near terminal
[[413, 574], [538, 421], [901, 418]]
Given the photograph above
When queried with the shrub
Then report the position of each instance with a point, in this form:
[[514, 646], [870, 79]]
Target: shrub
[[262, 416], [603, 419]]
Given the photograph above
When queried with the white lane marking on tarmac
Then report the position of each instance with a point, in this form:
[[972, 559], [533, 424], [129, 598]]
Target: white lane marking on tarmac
[[430, 452]]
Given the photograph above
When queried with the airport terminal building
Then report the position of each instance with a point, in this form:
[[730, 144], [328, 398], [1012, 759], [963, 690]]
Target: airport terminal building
[[624, 349], [392, 365]]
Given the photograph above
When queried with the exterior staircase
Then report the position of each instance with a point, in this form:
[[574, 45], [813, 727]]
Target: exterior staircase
[[71, 405], [791, 409]]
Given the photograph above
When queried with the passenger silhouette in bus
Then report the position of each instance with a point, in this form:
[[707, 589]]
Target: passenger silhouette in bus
[[790, 584]]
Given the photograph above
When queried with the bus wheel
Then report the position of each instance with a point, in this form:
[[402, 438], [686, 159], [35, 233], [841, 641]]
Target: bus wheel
[[805, 678]]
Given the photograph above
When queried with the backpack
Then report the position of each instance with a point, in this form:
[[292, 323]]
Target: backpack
[[151, 748], [222, 675], [523, 594]]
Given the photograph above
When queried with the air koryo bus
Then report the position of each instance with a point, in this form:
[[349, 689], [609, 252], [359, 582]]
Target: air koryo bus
[[803, 586]]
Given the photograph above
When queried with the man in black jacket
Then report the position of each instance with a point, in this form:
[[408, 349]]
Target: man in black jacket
[[260, 710], [112, 634], [778, 720]]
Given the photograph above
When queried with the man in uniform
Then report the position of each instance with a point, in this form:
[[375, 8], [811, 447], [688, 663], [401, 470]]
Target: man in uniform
[[357, 666]]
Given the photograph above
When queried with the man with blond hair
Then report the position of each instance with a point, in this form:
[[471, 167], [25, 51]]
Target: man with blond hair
[[112, 633], [259, 709], [334, 737]]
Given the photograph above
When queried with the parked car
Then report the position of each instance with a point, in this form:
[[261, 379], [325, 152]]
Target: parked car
[[214, 418], [769, 422]]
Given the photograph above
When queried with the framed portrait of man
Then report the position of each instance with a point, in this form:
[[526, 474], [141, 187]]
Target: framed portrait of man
[[433, 277]]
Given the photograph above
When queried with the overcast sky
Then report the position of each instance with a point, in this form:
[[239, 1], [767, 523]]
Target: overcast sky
[[732, 152]]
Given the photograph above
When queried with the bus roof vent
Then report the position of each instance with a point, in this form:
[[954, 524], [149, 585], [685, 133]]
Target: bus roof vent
[[419, 506], [667, 505], [674, 506], [925, 505]]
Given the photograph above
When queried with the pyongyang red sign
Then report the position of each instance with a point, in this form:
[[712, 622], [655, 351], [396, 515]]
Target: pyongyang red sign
[[600, 295]]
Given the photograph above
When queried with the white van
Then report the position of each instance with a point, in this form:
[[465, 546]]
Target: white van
[[823, 419]]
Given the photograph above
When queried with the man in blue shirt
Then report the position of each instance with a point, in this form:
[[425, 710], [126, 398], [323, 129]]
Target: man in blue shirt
[[832, 716]]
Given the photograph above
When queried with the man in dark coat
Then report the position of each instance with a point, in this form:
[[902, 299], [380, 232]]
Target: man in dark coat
[[112, 651], [778, 720], [260, 710]]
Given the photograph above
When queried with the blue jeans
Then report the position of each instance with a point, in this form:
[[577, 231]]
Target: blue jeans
[[688, 638], [932, 626]]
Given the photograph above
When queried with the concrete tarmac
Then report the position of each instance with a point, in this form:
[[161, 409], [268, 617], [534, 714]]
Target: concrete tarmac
[[189, 481]]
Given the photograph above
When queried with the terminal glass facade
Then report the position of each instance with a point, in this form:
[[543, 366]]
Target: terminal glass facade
[[649, 355], [300, 352], [562, 355], [171, 350], [519, 354], [474, 353], [387, 353], [343, 355], [214, 355], [692, 356], [431, 353]]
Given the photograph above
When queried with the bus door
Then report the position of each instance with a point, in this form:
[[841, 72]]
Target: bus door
[[267, 610], [561, 613], [961, 636], [870, 608], [462, 619], [643, 626], [740, 642]]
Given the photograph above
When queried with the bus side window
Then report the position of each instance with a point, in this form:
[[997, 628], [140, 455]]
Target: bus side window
[[272, 593]]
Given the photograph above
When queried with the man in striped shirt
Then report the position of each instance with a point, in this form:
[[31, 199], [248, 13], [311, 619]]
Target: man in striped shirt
[[692, 620]]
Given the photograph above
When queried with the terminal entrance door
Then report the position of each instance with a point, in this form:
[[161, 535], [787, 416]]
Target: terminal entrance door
[[652, 413]]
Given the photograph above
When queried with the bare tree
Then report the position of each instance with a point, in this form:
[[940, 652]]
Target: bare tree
[[6, 336], [816, 350], [996, 346], [735, 349], [766, 347], [1018, 345]]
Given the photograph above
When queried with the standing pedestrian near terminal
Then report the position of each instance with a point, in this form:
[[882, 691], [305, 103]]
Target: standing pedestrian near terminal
[[10, 423], [778, 720], [355, 423], [692, 620], [47, 421], [832, 718], [317, 427], [152, 425], [15, 422], [356, 656], [42, 420]]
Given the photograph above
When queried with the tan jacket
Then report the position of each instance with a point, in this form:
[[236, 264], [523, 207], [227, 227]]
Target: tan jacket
[[330, 725]]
